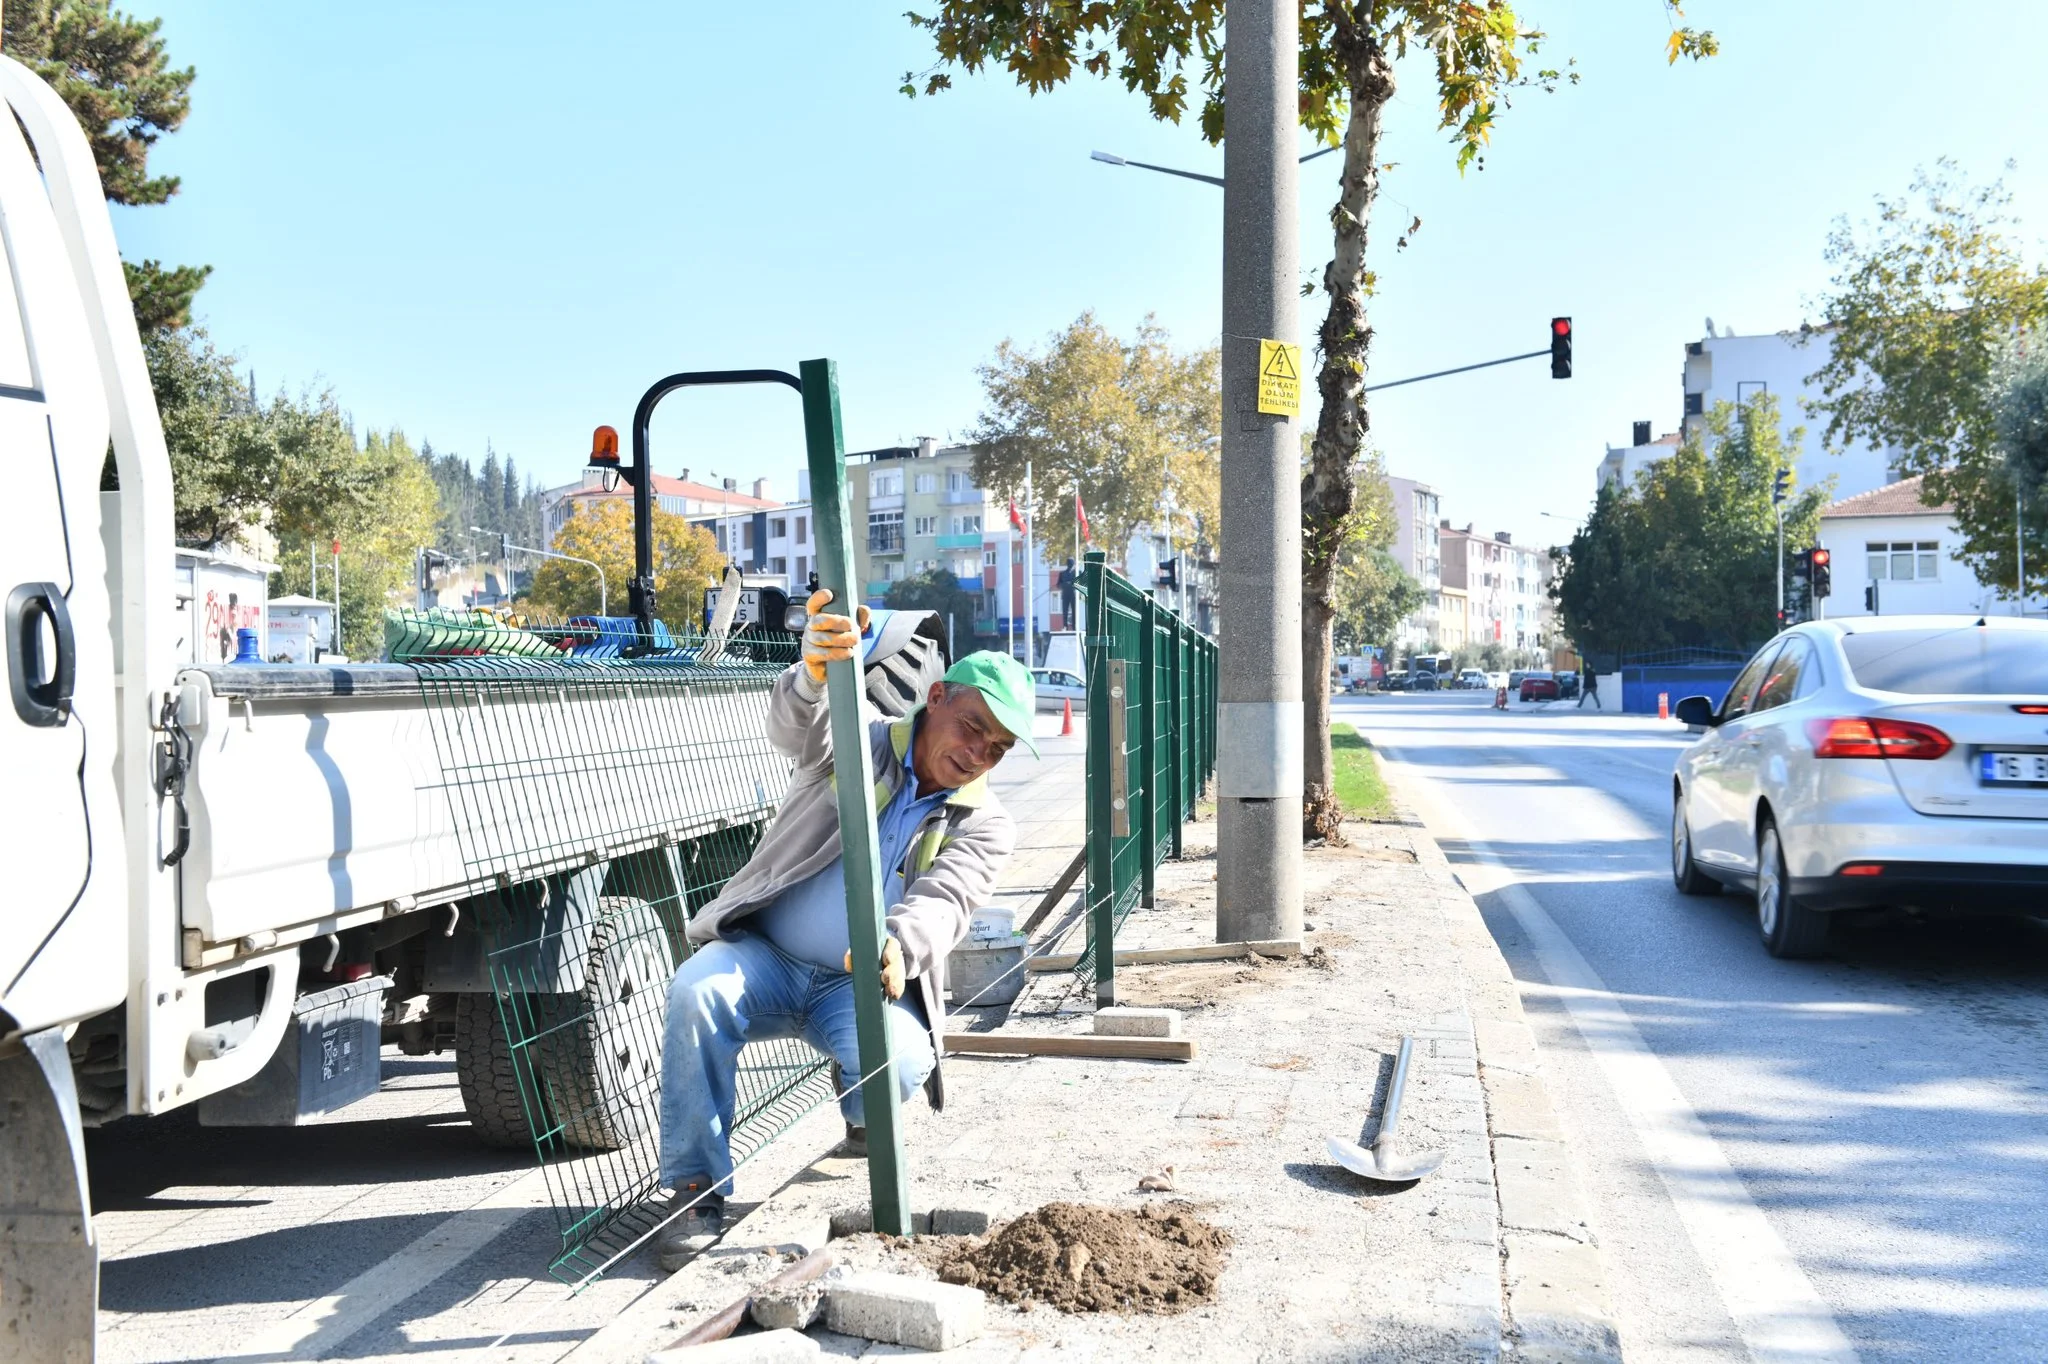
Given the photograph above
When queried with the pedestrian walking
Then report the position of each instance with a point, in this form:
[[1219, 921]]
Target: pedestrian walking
[[1589, 688]]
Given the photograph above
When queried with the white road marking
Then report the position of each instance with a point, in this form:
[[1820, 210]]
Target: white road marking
[[321, 1326], [1780, 1316]]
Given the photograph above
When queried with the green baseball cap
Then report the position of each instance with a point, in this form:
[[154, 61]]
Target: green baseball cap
[[1007, 687]]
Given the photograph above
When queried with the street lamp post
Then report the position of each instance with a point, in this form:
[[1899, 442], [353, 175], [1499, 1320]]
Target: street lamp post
[[603, 596]]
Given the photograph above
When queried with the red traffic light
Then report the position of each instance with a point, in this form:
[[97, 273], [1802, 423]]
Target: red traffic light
[[1821, 557], [1561, 326]]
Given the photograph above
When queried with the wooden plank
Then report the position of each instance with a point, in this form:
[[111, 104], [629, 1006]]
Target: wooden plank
[[1057, 893], [1155, 956], [1100, 1048]]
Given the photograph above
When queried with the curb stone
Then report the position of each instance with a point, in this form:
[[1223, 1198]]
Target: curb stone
[[1553, 1279]]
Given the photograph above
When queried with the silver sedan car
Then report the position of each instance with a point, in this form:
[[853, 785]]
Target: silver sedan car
[[1895, 761]]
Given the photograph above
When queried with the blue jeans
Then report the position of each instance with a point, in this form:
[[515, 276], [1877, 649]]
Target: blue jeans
[[745, 990]]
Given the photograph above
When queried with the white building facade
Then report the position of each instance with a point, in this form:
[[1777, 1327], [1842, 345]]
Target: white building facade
[[1735, 369], [1418, 549], [1891, 554]]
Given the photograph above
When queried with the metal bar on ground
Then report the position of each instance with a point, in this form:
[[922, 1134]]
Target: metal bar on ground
[[853, 771]]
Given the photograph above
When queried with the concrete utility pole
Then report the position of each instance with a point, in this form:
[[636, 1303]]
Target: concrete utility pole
[[1258, 775]]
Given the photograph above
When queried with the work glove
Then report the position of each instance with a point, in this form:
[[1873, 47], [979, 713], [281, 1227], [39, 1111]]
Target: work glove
[[829, 639], [892, 968]]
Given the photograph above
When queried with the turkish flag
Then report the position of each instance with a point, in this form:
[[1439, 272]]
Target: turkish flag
[[1015, 519], [1081, 515]]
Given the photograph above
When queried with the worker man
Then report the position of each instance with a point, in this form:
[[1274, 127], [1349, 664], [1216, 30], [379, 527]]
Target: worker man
[[774, 958], [1589, 686]]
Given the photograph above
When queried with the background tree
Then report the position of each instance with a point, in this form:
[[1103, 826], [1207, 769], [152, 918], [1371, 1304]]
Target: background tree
[[2022, 422], [938, 590], [1925, 304], [377, 501], [113, 72], [1110, 420], [1688, 555], [686, 561], [1349, 48], [1373, 595]]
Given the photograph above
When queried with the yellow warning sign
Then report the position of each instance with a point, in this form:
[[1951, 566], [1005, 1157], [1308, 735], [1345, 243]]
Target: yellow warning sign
[[1279, 378]]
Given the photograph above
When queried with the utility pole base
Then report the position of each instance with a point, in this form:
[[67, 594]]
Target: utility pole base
[[1258, 884]]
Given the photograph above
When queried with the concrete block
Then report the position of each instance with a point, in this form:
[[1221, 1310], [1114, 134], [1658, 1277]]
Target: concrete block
[[902, 1311], [959, 1222], [766, 1347], [787, 1309], [1557, 1299], [1537, 1192], [1120, 1021]]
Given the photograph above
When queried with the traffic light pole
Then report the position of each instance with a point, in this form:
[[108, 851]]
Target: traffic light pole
[[1781, 486], [1438, 374]]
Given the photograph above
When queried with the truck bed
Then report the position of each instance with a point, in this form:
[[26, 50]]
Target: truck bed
[[330, 795]]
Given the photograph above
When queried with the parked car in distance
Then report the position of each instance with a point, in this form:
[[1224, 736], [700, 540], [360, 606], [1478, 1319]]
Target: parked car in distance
[[1515, 679], [1425, 680], [1055, 687], [1395, 680], [1472, 679], [1877, 762], [1538, 686], [1567, 685], [1496, 681]]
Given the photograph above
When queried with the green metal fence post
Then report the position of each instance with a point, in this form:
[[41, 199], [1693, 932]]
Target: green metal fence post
[[853, 772], [1149, 664], [1177, 719], [1105, 758]]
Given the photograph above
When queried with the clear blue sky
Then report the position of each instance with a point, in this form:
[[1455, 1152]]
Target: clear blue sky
[[501, 222]]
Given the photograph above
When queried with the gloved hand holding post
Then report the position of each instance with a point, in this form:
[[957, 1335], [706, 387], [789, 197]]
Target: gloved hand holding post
[[828, 638], [892, 968]]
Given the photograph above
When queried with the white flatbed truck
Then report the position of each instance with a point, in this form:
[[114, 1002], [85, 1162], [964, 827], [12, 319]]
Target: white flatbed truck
[[229, 884]]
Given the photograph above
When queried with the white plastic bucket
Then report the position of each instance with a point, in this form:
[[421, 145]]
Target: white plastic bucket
[[982, 971]]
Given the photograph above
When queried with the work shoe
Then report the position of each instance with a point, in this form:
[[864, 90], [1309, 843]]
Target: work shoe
[[692, 1231], [856, 1143]]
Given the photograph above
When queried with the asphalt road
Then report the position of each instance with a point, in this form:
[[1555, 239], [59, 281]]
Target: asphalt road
[[1813, 1161]]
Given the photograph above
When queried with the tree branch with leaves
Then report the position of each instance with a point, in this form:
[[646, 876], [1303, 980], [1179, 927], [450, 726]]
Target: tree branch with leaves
[[1475, 49]]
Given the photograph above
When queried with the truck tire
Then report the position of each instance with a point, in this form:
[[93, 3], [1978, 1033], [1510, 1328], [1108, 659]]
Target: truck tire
[[596, 1073], [604, 1079], [483, 1072]]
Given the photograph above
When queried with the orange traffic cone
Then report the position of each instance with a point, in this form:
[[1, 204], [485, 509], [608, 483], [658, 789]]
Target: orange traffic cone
[[1066, 717]]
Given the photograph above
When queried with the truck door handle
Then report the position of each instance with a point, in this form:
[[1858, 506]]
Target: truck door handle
[[41, 687]]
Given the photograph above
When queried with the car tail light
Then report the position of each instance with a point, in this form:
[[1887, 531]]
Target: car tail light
[[1864, 869], [2032, 710], [1858, 738]]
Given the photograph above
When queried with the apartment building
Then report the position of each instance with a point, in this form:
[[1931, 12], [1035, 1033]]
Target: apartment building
[[1502, 587], [1416, 549]]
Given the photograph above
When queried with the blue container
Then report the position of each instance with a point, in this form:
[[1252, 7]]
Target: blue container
[[247, 650]]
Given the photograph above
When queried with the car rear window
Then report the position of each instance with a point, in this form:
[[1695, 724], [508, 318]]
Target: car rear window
[[1967, 660]]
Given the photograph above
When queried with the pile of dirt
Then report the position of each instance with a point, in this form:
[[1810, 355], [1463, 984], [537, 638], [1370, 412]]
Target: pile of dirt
[[1159, 1259]]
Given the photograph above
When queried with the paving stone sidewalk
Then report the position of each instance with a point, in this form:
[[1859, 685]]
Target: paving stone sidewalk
[[1487, 1258]]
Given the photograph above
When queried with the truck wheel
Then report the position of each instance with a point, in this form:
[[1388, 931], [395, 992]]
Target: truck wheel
[[604, 1080], [484, 1074], [596, 1066]]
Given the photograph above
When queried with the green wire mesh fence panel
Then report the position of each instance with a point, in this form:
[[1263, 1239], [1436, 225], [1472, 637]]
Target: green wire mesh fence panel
[[1151, 719], [606, 800], [1162, 660]]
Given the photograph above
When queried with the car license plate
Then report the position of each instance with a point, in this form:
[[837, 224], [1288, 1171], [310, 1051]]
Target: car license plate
[[2002, 769]]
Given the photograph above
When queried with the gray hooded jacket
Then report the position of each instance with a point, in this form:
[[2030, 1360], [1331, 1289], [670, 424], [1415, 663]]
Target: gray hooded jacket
[[951, 867]]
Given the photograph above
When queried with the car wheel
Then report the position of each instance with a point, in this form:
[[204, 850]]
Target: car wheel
[[1686, 873], [1788, 928]]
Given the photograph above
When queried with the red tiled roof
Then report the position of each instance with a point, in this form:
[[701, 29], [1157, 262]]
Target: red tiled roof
[[676, 487], [1894, 499]]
